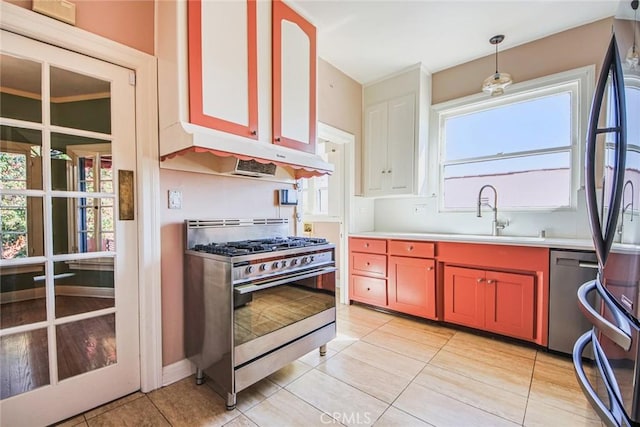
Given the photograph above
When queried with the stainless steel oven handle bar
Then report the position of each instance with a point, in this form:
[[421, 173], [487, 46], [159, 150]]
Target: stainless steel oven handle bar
[[606, 414], [621, 333], [245, 289]]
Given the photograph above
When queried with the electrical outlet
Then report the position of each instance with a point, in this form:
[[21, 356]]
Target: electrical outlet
[[175, 199], [419, 209]]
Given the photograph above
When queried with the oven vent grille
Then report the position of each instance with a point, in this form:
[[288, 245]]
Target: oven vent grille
[[200, 223]]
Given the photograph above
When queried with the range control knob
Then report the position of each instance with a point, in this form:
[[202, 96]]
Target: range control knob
[[284, 263], [263, 267], [249, 269], [311, 259], [275, 265], [304, 260], [294, 262]]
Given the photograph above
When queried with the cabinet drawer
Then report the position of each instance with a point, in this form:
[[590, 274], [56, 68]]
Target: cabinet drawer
[[369, 290], [373, 246], [369, 264], [414, 249]]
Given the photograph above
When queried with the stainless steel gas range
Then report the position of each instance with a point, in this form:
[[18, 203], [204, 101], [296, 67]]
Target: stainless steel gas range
[[255, 299]]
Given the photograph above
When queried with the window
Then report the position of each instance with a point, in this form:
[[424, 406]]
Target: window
[[20, 171], [527, 144], [94, 216], [315, 191]]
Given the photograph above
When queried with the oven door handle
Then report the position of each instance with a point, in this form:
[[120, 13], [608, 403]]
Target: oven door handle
[[252, 287], [620, 333]]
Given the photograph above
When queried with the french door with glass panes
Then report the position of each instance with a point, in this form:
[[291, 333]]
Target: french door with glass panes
[[68, 267]]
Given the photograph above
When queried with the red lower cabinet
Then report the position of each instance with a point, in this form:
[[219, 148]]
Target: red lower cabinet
[[412, 286], [494, 301], [509, 304], [464, 296]]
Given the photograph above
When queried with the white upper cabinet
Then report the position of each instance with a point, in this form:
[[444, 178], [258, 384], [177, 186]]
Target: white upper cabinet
[[223, 90], [294, 79], [236, 78], [395, 122]]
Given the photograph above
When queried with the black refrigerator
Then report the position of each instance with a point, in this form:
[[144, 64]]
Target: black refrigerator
[[612, 178]]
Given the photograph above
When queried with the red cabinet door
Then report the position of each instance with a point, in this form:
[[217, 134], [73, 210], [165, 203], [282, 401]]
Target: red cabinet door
[[509, 304], [412, 286], [464, 296], [294, 79], [223, 77], [369, 290]]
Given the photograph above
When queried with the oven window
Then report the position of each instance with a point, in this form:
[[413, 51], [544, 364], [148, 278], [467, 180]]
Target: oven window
[[275, 308]]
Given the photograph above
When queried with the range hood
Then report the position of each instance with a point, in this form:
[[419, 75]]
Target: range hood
[[185, 146], [199, 149]]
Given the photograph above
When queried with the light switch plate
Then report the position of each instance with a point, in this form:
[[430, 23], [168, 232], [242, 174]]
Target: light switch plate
[[175, 199]]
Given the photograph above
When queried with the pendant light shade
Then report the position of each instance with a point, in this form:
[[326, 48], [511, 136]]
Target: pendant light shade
[[496, 83]]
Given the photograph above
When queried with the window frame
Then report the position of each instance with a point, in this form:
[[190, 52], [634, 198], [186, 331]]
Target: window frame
[[578, 82], [33, 171], [95, 152]]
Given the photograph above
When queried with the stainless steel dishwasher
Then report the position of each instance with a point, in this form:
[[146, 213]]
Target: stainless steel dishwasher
[[568, 271]]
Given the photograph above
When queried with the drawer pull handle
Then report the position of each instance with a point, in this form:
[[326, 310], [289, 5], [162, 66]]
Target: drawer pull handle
[[368, 263], [366, 245], [429, 268], [410, 248], [480, 280], [490, 282], [368, 289]]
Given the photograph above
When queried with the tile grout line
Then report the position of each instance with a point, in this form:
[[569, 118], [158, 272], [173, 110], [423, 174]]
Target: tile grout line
[[158, 409]]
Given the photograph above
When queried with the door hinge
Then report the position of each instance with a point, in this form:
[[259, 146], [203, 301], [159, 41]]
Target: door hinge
[[132, 78]]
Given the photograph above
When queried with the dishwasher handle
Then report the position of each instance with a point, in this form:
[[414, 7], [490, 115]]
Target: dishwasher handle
[[585, 264], [575, 262], [620, 333]]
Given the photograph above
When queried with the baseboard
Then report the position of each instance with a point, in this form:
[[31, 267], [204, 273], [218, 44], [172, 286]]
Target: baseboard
[[177, 371]]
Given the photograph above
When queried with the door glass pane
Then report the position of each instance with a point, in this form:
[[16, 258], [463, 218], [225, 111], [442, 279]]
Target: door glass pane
[[24, 358], [21, 95], [21, 226], [23, 295], [81, 164], [79, 101], [20, 158], [86, 345], [83, 224], [83, 285]]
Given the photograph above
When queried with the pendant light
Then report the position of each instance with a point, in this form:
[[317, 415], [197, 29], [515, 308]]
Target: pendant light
[[633, 57], [495, 84]]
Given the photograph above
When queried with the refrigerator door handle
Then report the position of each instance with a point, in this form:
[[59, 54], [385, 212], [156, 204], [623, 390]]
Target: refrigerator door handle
[[604, 229], [620, 333], [608, 416]]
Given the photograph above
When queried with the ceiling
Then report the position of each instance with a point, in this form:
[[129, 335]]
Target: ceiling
[[370, 39]]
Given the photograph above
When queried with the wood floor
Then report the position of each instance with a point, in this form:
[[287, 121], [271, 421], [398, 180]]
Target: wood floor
[[82, 345]]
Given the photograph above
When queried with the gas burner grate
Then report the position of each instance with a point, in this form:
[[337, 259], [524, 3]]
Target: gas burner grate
[[246, 247]]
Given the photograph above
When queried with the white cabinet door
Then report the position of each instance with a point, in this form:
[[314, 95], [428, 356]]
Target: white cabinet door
[[401, 143], [375, 152], [223, 66], [389, 134]]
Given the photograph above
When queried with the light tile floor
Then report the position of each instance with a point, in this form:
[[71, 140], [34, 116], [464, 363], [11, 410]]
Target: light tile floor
[[381, 370]]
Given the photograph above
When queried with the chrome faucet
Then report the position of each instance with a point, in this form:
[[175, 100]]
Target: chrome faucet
[[496, 225], [625, 207]]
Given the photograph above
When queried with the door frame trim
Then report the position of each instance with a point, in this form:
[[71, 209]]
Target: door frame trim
[[38, 27], [348, 140]]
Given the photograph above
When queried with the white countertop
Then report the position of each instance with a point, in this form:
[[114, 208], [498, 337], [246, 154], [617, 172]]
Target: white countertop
[[545, 242]]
